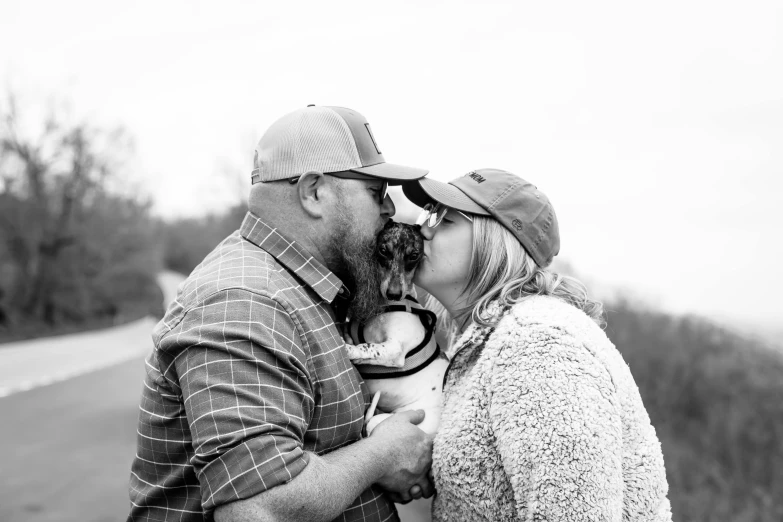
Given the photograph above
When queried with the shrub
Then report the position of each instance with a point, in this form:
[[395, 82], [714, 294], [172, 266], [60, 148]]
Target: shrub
[[187, 241], [716, 401]]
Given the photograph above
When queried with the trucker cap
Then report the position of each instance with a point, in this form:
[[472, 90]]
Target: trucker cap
[[517, 204], [324, 139]]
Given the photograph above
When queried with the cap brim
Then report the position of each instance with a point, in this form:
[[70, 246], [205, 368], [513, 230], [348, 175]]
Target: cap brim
[[394, 174], [427, 190]]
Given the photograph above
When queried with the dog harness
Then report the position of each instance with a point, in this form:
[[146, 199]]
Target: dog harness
[[418, 357]]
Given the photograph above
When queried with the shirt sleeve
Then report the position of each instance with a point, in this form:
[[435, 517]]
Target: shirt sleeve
[[244, 379], [558, 429]]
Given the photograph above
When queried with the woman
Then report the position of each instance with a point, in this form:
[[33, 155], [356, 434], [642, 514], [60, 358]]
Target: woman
[[542, 419]]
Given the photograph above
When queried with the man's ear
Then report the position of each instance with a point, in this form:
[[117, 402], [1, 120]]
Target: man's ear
[[314, 193]]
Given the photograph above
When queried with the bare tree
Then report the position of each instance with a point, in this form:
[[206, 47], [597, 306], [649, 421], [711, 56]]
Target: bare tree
[[54, 189]]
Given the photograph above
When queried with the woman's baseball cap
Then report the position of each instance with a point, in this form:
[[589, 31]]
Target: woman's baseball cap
[[515, 203], [324, 139]]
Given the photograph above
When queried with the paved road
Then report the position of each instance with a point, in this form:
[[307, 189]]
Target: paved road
[[68, 447], [29, 364], [68, 413]]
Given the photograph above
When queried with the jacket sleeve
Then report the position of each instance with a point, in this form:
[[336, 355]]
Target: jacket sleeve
[[556, 418]]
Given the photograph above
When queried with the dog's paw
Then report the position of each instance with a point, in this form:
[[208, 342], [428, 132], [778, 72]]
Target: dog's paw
[[364, 353], [389, 353], [374, 421]]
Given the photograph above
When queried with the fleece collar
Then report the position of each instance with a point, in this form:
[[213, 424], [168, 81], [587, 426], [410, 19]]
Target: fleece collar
[[475, 335]]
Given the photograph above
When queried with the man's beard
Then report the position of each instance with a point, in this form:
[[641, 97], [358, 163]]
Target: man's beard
[[353, 259]]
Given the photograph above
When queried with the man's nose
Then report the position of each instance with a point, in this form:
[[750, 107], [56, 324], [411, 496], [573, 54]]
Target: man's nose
[[388, 209]]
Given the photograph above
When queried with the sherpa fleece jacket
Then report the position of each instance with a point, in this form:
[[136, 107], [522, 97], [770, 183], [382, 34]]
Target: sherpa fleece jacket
[[543, 421]]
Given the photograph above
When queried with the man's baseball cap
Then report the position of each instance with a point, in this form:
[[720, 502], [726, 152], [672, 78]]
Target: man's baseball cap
[[517, 204], [324, 139]]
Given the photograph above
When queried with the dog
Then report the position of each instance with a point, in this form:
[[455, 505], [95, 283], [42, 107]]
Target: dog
[[397, 354]]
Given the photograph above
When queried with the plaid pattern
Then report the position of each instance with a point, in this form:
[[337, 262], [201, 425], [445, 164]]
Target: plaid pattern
[[248, 374]]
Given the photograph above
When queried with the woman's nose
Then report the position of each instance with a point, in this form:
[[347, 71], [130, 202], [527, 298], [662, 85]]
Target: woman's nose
[[427, 232]]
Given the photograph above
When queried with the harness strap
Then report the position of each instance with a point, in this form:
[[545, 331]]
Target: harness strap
[[418, 357]]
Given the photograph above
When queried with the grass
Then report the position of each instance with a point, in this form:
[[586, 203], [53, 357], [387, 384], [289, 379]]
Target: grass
[[716, 400]]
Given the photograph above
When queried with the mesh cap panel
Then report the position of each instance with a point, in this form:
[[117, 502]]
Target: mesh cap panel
[[312, 139]]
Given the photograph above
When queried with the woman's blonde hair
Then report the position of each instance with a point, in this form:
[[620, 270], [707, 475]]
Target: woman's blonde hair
[[501, 269]]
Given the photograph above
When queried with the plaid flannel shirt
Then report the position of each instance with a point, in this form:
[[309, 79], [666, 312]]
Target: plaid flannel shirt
[[248, 374]]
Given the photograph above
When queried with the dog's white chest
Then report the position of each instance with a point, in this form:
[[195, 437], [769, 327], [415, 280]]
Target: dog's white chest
[[416, 384]]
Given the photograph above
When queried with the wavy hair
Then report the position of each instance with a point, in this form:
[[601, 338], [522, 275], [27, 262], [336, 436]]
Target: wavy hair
[[501, 269]]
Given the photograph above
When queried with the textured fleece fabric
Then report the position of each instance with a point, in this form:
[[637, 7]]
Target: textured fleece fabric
[[543, 421]]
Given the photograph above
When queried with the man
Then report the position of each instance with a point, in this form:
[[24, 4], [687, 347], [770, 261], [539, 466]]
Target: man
[[251, 409]]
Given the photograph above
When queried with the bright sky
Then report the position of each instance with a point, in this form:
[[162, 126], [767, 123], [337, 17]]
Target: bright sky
[[656, 129]]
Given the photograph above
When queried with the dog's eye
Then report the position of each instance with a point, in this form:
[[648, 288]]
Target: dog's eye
[[415, 257], [383, 251]]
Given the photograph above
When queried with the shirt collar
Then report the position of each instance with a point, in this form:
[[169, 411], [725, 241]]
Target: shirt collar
[[295, 258]]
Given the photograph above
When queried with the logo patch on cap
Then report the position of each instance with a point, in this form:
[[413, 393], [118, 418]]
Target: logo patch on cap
[[517, 224], [369, 131], [477, 177]]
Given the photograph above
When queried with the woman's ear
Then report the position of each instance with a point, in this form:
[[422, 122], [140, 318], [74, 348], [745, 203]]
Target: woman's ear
[[314, 193]]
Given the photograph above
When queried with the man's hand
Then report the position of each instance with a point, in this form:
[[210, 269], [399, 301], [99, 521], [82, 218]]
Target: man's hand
[[397, 456], [410, 456]]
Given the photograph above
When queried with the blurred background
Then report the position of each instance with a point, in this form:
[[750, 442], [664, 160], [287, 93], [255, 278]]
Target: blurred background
[[126, 143]]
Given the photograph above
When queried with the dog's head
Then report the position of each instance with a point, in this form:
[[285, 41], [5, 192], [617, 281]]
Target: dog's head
[[398, 250]]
